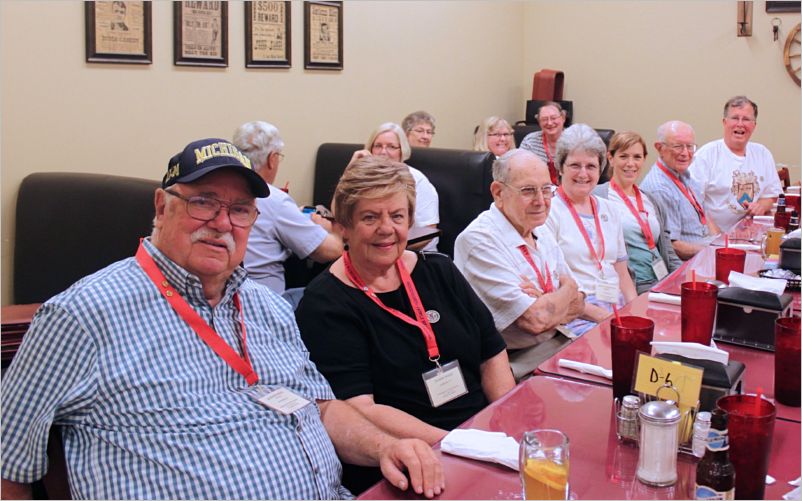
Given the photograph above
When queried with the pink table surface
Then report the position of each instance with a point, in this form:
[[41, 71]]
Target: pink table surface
[[601, 468], [594, 348]]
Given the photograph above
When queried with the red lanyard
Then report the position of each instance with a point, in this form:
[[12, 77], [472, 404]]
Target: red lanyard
[[240, 364], [555, 180], [421, 321], [545, 285], [644, 224], [596, 257], [685, 191]]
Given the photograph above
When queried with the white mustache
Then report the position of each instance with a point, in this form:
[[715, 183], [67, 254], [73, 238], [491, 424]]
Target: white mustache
[[206, 233]]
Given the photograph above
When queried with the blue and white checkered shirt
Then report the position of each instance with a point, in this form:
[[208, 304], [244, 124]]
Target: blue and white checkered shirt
[[148, 410], [682, 220]]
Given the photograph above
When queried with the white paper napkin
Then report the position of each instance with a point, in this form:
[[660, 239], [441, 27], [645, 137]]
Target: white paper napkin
[[773, 285], [746, 247], [586, 368], [768, 219], [691, 350], [492, 446], [659, 297]]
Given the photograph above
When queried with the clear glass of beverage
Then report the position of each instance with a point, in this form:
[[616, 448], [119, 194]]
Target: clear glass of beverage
[[544, 464]]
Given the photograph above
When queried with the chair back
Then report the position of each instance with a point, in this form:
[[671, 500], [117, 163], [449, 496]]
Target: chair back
[[69, 225]]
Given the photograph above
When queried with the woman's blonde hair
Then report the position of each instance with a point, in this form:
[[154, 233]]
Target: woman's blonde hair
[[490, 124]]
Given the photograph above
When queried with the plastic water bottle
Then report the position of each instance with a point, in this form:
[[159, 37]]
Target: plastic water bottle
[[700, 428]]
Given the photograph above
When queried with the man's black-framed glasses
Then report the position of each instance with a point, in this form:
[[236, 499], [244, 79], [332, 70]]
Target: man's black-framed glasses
[[207, 208]]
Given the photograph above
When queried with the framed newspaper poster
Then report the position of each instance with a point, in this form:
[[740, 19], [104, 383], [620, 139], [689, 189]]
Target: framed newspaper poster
[[267, 35], [323, 35], [118, 32], [200, 33]]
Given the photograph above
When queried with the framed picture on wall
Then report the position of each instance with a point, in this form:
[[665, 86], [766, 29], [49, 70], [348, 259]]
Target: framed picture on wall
[[118, 32], [267, 35], [200, 33], [323, 35]]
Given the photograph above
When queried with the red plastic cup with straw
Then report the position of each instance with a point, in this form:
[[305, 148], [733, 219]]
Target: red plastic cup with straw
[[698, 302], [629, 335]]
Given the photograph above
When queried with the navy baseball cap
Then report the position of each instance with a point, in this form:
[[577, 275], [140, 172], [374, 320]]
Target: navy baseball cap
[[207, 155]]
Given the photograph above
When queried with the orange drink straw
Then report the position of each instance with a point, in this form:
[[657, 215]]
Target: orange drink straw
[[617, 317], [726, 241]]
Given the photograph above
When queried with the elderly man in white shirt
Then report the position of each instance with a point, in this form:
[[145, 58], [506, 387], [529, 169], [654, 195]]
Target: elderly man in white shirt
[[515, 266], [738, 177]]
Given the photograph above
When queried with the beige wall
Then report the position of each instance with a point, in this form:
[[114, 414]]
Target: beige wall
[[460, 60], [634, 64]]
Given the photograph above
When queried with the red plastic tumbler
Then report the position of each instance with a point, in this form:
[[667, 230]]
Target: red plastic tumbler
[[750, 427], [698, 302], [727, 260], [787, 375], [632, 335]]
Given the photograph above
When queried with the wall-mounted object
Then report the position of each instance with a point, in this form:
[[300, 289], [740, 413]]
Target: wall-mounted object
[[267, 35], [792, 53], [784, 6], [118, 32], [200, 33], [745, 18], [323, 35]]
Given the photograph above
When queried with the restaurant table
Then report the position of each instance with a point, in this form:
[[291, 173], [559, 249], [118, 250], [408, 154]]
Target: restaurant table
[[594, 346], [600, 467]]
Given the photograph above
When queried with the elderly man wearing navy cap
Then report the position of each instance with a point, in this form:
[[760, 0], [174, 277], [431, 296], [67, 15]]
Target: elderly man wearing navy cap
[[173, 375]]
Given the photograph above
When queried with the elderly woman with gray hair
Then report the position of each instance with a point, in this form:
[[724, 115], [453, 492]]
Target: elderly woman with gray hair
[[419, 127], [587, 228]]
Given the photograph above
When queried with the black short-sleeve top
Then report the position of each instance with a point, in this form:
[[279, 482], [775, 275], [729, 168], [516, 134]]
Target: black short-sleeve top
[[362, 349]]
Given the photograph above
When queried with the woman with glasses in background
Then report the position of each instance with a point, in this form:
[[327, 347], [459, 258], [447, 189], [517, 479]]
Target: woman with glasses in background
[[651, 256], [494, 135], [419, 127], [389, 141], [587, 228], [543, 143]]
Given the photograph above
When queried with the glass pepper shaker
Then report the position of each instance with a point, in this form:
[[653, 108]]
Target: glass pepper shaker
[[626, 418], [659, 437]]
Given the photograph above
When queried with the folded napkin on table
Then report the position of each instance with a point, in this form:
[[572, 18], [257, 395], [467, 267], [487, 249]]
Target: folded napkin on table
[[659, 297], [493, 446], [773, 285], [586, 368], [746, 247], [692, 350]]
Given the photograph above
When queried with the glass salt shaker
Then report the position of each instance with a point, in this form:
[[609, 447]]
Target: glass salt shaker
[[626, 417], [659, 437]]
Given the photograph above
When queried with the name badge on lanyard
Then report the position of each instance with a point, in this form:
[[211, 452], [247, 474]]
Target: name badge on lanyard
[[659, 268], [445, 383], [280, 400], [607, 289]]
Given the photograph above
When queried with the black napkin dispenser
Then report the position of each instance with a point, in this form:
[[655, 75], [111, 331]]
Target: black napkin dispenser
[[789, 255], [746, 317], [718, 380]]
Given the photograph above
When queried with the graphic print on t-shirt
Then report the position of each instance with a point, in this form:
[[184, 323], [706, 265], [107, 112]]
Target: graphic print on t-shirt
[[744, 186]]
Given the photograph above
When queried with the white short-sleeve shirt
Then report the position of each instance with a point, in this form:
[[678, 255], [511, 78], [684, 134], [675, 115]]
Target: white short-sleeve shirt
[[568, 236], [728, 181], [487, 253]]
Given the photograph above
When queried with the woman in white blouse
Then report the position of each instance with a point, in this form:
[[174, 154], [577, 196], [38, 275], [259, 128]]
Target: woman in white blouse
[[587, 228], [651, 255]]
